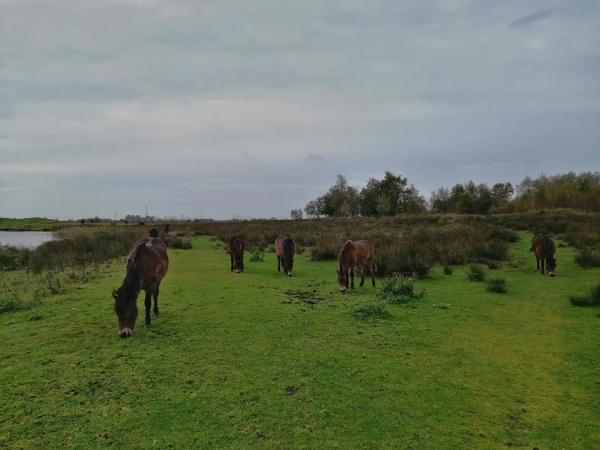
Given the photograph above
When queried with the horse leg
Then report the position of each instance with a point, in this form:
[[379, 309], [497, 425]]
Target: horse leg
[[231, 257], [278, 263], [542, 265], [148, 304], [362, 275], [537, 263], [351, 277], [373, 269], [156, 292]]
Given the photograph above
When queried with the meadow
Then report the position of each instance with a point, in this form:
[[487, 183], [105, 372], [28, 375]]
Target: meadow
[[259, 360]]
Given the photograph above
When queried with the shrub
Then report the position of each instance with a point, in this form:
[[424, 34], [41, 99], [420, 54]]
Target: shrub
[[374, 309], [592, 298], [496, 285], [587, 258], [178, 242], [399, 289], [13, 258], [448, 270], [257, 254], [476, 273], [10, 302]]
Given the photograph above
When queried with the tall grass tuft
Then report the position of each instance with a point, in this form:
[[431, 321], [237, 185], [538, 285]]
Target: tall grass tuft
[[476, 273], [496, 285], [13, 258], [592, 298], [587, 258], [399, 289], [374, 309]]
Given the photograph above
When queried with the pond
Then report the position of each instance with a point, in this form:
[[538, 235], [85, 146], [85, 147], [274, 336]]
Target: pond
[[28, 239]]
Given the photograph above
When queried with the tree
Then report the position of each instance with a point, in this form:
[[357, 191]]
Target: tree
[[296, 214], [390, 196]]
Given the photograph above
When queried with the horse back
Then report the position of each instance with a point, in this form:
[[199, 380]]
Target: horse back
[[364, 251], [284, 244], [236, 244], [543, 246], [150, 258]]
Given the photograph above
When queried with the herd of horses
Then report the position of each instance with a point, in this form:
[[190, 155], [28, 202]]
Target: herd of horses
[[148, 263]]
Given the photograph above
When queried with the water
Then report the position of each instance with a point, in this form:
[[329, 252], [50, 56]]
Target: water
[[28, 239]]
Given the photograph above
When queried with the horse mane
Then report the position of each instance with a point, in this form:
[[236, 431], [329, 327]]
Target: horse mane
[[342, 250], [288, 245]]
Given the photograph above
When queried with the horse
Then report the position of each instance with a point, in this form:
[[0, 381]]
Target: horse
[[153, 232], [235, 246], [166, 228], [285, 247], [543, 248], [352, 254], [146, 266]]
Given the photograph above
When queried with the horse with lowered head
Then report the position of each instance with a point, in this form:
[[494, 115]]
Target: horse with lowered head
[[285, 248], [543, 248], [235, 246], [146, 266], [352, 254]]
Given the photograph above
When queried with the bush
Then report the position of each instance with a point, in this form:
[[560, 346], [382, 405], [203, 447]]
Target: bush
[[10, 302], [399, 289], [257, 254], [13, 258], [374, 309], [496, 285], [587, 258], [476, 273], [592, 298], [448, 270]]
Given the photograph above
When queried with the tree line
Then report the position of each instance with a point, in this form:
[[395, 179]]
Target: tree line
[[394, 195]]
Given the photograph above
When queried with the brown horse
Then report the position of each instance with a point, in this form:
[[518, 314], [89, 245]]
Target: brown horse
[[352, 254], [147, 264], [285, 247], [235, 246], [166, 228], [544, 250]]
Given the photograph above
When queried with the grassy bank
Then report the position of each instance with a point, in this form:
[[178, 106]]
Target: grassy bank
[[259, 360]]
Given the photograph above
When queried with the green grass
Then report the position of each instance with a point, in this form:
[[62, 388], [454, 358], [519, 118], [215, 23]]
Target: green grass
[[259, 360]]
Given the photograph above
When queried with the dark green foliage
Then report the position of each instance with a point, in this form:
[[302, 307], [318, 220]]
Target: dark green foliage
[[592, 298], [373, 310], [476, 273], [496, 285], [13, 258], [257, 254], [448, 270], [10, 302], [399, 289], [587, 258], [178, 242]]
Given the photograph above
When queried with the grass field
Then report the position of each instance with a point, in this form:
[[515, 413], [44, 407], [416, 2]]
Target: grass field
[[258, 360]]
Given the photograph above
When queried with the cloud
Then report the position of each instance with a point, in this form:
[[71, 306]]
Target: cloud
[[528, 20]]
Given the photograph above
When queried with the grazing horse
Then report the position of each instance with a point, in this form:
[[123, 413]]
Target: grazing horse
[[147, 264], [166, 228], [235, 246], [544, 250], [285, 247], [355, 253]]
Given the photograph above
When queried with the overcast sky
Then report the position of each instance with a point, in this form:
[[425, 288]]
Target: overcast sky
[[251, 108]]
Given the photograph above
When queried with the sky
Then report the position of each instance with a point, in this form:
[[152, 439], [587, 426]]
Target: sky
[[251, 108]]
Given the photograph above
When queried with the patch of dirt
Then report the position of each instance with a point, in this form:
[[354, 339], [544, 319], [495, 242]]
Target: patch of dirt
[[302, 297]]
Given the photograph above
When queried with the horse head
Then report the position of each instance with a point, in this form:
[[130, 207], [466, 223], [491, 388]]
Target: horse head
[[551, 266], [126, 310], [342, 277]]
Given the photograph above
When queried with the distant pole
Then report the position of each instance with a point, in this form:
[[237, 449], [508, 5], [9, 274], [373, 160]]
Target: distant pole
[[115, 216], [146, 211]]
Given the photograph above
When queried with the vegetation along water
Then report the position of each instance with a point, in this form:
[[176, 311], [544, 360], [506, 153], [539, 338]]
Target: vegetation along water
[[436, 356]]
